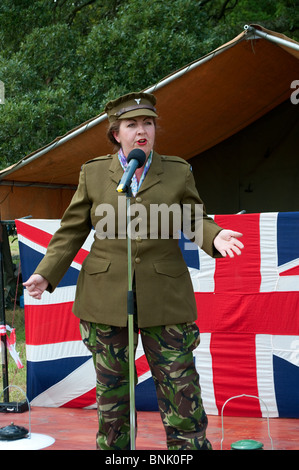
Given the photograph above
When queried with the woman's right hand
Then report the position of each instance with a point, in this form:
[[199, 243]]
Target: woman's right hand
[[36, 285]]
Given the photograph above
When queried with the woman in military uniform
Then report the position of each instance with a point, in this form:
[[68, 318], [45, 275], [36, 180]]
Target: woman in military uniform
[[165, 308]]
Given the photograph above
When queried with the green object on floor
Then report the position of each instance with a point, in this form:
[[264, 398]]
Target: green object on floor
[[247, 444]]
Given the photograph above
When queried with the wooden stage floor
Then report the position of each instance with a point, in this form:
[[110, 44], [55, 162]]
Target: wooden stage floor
[[75, 429]]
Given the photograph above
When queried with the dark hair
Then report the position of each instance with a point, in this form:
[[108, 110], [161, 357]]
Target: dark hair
[[114, 127]]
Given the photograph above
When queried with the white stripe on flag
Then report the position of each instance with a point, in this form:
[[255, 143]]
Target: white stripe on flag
[[264, 372], [51, 226], [31, 244], [60, 295], [79, 382], [46, 225], [268, 247], [53, 351], [271, 281], [139, 353], [286, 347], [203, 278], [203, 361]]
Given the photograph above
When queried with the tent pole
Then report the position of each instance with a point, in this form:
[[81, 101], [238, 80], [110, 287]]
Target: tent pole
[[261, 34], [3, 324]]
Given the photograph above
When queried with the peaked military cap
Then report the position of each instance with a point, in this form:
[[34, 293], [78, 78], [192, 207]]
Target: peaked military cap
[[131, 105]]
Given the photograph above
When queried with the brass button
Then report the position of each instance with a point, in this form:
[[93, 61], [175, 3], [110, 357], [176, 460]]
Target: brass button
[[137, 260], [138, 239], [138, 199]]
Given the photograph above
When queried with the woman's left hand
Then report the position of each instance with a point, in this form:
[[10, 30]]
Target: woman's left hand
[[227, 243]]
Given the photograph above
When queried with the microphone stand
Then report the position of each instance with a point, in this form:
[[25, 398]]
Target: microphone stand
[[130, 303], [138, 156], [130, 310]]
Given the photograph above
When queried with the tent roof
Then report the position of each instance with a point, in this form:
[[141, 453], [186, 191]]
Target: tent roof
[[199, 106]]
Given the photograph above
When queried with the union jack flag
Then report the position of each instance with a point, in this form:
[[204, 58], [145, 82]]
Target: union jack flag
[[248, 310]]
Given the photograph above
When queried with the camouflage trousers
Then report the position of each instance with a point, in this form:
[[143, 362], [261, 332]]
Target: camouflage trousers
[[169, 353]]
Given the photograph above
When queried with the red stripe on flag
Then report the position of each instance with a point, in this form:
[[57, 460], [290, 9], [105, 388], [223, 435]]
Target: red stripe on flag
[[141, 365], [273, 313], [231, 310], [87, 399], [290, 272], [234, 321], [58, 322], [241, 273], [42, 238], [235, 374], [33, 234]]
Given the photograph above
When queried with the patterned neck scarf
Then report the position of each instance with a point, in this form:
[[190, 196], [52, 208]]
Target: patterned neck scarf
[[134, 184]]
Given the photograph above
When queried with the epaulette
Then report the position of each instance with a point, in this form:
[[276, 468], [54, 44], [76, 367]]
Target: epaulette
[[96, 159], [170, 158]]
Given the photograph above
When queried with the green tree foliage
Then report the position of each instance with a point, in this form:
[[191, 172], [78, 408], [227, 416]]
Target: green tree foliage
[[61, 60]]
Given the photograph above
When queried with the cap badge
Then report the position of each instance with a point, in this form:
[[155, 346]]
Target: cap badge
[[137, 100]]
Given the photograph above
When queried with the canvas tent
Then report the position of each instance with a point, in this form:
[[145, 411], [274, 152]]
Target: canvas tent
[[229, 113]]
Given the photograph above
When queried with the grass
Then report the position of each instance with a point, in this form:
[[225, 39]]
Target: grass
[[16, 377], [14, 317]]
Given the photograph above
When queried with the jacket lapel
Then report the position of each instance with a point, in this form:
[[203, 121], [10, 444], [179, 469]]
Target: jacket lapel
[[152, 177], [115, 170]]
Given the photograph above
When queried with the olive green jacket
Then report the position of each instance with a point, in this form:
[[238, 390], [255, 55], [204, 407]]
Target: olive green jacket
[[164, 289]]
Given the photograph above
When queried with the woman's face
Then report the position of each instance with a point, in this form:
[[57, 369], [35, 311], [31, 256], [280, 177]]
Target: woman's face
[[138, 132]]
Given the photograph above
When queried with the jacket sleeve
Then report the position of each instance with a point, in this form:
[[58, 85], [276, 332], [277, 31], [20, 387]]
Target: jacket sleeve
[[203, 227], [68, 239]]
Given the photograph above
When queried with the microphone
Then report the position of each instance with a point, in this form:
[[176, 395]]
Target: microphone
[[136, 159]]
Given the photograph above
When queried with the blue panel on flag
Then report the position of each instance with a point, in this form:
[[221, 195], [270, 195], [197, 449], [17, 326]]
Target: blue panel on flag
[[286, 380], [145, 396], [43, 375], [190, 252], [287, 237], [70, 278], [31, 258]]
